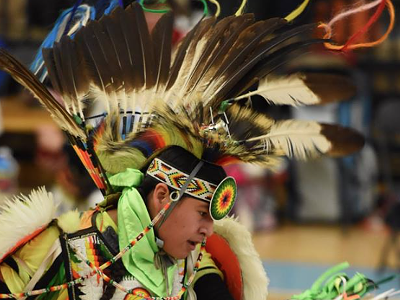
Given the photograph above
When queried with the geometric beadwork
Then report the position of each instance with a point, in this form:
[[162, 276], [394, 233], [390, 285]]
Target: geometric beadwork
[[224, 198], [175, 179]]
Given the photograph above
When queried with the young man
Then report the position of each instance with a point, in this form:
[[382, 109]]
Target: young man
[[168, 125]]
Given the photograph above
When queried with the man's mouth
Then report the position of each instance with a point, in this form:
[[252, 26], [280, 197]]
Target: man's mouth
[[192, 244]]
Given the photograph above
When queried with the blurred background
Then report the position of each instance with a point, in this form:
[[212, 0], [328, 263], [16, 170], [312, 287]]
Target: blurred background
[[306, 217]]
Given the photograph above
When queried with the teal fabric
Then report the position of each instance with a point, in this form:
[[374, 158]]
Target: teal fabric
[[133, 217]]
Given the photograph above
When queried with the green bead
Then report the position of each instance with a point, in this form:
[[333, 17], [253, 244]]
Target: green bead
[[77, 119]]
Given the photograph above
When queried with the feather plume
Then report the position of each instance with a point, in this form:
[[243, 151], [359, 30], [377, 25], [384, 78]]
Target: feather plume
[[254, 137], [70, 221], [110, 54], [129, 71], [293, 138], [307, 139], [23, 216], [96, 62], [303, 89], [22, 75], [52, 70]]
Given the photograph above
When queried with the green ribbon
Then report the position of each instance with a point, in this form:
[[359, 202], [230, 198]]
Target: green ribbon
[[330, 285], [133, 217]]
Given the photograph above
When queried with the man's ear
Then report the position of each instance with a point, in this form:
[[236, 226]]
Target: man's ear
[[157, 199], [161, 194]]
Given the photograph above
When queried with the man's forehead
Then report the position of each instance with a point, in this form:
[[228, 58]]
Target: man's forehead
[[201, 204]]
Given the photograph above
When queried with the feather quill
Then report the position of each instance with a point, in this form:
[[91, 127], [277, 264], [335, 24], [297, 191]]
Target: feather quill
[[22, 75]]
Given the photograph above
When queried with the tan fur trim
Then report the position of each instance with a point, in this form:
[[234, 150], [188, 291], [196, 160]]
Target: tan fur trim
[[255, 279], [70, 221], [23, 215]]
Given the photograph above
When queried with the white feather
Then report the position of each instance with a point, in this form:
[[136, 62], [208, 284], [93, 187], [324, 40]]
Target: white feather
[[288, 90], [255, 279], [295, 138], [23, 215]]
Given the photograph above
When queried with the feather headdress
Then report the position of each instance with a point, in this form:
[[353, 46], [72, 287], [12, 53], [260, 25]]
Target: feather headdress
[[152, 97]]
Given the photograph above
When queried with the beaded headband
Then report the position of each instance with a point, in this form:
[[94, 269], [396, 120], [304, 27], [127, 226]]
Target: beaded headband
[[221, 197], [175, 179]]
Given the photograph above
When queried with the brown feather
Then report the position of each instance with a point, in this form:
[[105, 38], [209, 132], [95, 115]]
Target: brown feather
[[112, 25], [345, 141], [214, 35], [95, 62], [241, 70], [270, 63], [162, 43], [206, 77], [330, 87], [180, 54], [140, 32], [49, 61], [22, 75]]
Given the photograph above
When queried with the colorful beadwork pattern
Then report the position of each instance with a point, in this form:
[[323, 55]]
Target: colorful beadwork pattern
[[224, 198], [174, 178]]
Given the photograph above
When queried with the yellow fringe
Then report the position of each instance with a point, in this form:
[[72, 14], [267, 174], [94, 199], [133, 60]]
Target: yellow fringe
[[241, 8], [218, 12], [294, 14]]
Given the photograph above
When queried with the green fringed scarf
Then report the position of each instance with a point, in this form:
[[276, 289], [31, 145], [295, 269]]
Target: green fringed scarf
[[133, 217]]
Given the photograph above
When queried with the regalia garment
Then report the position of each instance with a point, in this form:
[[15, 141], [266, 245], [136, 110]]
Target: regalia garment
[[157, 102], [45, 259]]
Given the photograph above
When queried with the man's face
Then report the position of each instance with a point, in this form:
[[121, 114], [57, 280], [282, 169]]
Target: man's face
[[186, 226]]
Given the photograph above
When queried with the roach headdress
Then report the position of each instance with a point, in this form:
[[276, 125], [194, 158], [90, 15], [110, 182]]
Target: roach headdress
[[128, 95]]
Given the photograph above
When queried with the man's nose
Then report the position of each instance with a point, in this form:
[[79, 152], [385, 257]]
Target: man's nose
[[208, 228]]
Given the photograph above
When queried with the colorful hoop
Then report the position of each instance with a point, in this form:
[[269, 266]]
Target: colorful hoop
[[223, 199]]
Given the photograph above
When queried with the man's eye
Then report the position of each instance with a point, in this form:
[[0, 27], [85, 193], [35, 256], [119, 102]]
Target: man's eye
[[202, 213]]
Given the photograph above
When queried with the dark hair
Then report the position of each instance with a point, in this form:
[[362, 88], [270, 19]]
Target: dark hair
[[184, 161]]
